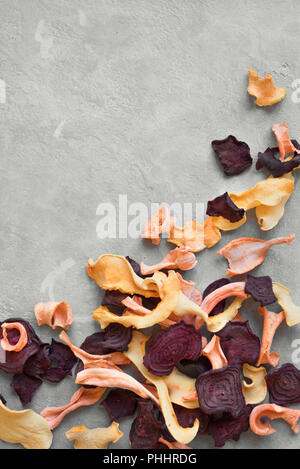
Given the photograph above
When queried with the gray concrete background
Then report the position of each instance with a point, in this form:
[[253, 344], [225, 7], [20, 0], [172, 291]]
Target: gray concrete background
[[124, 97]]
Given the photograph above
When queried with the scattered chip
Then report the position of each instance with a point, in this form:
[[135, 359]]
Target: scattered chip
[[264, 89], [233, 155]]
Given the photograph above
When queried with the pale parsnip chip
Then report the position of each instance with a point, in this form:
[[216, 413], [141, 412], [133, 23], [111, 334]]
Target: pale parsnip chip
[[269, 192], [256, 391], [54, 314], [271, 322], [264, 89], [179, 386], [97, 438], [284, 298], [267, 216], [83, 397], [170, 292], [179, 258], [24, 427], [135, 354], [272, 411], [215, 354], [217, 322], [112, 272]]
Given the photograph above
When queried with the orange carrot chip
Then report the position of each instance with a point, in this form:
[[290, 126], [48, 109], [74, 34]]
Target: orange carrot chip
[[179, 258], [215, 354], [271, 322], [23, 339], [272, 411], [97, 438], [244, 254], [54, 314], [161, 222], [264, 89], [285, 144]]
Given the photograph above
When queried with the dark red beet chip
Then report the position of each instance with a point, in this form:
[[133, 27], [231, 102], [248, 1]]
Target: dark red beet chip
[[2, 399], [219, 308], [239, 344], [284, 385], [14, 361], [194, 368], [223, 206], [233, 155], [25, 386], [146, 429], [113, 298], [221, 391], [261, 289], [168, 347], [229, 428], [275, 166], [120, 403]]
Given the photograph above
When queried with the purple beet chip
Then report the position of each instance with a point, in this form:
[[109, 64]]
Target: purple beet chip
[[25, 386], [2, 399], [223, 206], [261, 290], [219, 308], [275, 166], [239, 344], [284, 385], [194, 368], [120, 403], [146, 429], [233, 155], [113, 298], [221, 391], [169, 346], [229, 428]]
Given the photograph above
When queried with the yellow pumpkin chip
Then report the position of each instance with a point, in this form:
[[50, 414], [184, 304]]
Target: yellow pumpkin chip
[[112, 272], [270, 192], [264, 89], [179, 386], [191, 236], [24, 427], [256, 391], [97, 438], [135, 354], [217, 322], [284, 298]]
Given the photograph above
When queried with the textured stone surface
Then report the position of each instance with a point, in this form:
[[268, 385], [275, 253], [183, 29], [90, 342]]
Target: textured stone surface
[[108, 97]]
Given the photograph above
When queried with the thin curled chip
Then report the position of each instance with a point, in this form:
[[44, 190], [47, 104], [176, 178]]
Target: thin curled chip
[[286, 147], [261, 426], [54, 314], [271, 322], [233, 155], [264, 89], [290, 309], [179, 258], [256, 391], [22, 340], [96, 438], [213, 351]]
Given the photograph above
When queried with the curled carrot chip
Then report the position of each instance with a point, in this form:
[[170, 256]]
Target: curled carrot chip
[[272, 411], [231, 289], [82, 398], [97, 438], [264, 89], [170, 292], [285, 145], [256, 391], [188, 289], [214, 353], [284, 298], [244, 254], [135, 354], [116, 273], [23, 339], [24, 427], [160, 222], [269, 192], [53, 314], [271, 322], [179, 258], [191, 236]]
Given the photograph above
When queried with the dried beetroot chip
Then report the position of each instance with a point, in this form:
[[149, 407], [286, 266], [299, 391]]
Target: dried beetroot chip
[[169, 346], [120, 403], [2, 399], [116, 338], [261, 290], [135, 266], [151, 302], [233, 155], [284, 385], [187, 417], [239, 344], [113, 298], [51, 363], [93, 344], [25, 386], [194, 368], [228, 427], [146, 429], [219, 308], [14, 361], [221, 391], [223, 206], [274, 165]]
